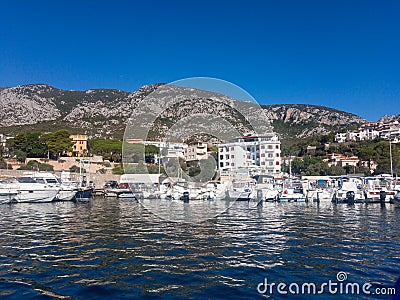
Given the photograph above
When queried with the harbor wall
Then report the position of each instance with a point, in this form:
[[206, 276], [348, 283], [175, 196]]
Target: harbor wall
[[98, 179]]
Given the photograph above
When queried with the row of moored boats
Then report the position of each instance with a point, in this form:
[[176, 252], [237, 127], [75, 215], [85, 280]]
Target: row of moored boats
[[41, 187], [47, 187]]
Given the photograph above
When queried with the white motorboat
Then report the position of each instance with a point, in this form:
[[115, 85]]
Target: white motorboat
[[292, 195], [348, 193], [378, 190], [241, 190], [68, 189], [29, 190], [320, 195], [8, 192]]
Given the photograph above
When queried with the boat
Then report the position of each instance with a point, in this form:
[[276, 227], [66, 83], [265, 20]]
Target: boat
[[68, 189], [7, 192], [292, 194], [83, 193], [396, 198], [128, 195], [29, 190], [265, 188], [320, 195], [378, 190], [348, 193], [241, 190], [115, 192], [292, 191]]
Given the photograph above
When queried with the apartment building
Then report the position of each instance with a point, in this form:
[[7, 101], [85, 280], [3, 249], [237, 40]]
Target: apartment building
[[253, 152], [196, 151]]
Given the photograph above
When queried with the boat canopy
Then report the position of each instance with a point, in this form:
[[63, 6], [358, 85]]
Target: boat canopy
[[140, 178]]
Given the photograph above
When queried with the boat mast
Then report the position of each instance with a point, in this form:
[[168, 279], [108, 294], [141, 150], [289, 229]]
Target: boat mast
[[390, 151]]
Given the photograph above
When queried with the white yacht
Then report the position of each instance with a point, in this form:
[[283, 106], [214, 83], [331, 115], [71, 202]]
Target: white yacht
[[29, 190], [8, 191], [68, 189]]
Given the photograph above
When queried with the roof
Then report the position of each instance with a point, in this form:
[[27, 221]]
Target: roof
[[140, 178]]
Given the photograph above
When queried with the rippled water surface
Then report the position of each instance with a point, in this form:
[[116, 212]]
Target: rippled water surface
[[116, 249]]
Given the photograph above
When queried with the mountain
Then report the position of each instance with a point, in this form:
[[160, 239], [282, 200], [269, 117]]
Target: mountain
[[303, 120], [390, 119], [105, 112]]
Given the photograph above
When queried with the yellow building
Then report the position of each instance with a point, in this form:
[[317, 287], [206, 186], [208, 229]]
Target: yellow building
[[79, 146]]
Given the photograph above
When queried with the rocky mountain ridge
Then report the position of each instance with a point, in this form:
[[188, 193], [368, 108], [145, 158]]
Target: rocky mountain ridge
[[105, 112]]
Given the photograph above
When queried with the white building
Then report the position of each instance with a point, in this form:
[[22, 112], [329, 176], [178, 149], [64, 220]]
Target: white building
[[370, 131], [3, 141], [390, 132], [168, 149], [175, 150], [196, 151], [341, 137], [258, 152]]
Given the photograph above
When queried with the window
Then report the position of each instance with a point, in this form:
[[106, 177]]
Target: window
[[277, 155], [269, 146], [277, 163], [232, 156], [263, 163], [227, 156], [270, 155], [221, 150], [270, 163], [221, 164], [232, 164], [262, 154], [262, 147], [232, 148], [221, 157], [277, 147]]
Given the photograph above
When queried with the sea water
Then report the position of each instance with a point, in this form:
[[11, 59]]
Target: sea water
[[120, 249]]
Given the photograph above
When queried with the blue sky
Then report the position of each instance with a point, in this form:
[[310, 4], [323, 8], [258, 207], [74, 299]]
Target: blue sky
[[341, 54]]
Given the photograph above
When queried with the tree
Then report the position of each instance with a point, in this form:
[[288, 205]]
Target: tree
[[382, 157], [57, 143], [29, 143], [75, 169], [110, 149], [336, 171], [118, 170], [150, 152], [20, 155]]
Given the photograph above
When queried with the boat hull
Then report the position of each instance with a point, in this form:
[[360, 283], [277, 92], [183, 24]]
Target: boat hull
[[36, 196], [83, 194], [66, 195], [7, 196]]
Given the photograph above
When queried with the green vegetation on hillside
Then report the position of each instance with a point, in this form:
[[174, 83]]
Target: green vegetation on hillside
[[36, 145], [375, 151]]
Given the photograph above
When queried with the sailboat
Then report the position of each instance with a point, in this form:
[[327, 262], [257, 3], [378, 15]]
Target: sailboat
[[84, 190]]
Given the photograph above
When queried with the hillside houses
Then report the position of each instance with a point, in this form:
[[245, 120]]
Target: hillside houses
[[370, 131]]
